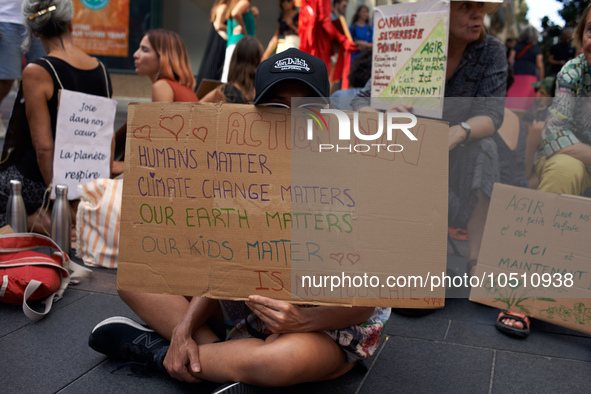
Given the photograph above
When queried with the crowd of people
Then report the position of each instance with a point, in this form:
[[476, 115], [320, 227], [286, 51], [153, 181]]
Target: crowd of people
[[514, 126]]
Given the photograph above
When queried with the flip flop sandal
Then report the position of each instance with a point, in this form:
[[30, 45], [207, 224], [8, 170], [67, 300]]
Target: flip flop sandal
[[513, 331]]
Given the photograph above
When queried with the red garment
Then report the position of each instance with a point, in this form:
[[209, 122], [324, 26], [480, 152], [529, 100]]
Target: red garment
[[316, 30], [182, 93], [343, 66]]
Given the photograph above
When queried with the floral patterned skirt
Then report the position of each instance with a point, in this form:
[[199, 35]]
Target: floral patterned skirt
[[359, 342]]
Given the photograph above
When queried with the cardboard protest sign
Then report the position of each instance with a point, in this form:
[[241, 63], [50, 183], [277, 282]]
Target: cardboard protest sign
[[227, 200], [410, 56], [6, 230], [82, 152], [536, 256]]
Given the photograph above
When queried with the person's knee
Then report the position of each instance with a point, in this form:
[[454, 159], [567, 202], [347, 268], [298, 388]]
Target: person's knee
[[562, 174], [123, 294], [296, 360]]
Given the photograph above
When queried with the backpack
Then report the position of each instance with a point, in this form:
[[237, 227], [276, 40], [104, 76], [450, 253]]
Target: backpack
[[27, 275]]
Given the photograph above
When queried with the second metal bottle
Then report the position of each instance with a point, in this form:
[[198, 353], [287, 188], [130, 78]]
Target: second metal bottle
[[61, 219]]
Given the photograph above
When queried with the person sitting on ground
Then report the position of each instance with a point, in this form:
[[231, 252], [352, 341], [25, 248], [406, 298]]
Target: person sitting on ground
[[65, 66], [475, 87], [563, 161], [510, 140], [535, 120], [162, 57], [304, 344], [240, 87]]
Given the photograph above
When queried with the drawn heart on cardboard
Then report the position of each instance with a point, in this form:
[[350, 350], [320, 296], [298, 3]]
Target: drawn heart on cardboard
[[353, 258], [143, 133], [337, 257], [174, 125], [200, 133], [152, 174]]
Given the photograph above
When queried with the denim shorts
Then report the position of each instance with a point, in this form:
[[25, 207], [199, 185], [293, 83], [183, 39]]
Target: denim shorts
[[11, 53]]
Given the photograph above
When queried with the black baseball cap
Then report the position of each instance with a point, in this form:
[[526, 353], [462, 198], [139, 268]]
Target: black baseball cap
[[292, 64]]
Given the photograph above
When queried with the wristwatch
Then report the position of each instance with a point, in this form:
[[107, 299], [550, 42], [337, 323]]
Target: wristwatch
[[468, 130]]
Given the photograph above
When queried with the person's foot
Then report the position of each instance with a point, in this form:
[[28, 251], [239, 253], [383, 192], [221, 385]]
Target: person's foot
[[122, 338], [513, 323]]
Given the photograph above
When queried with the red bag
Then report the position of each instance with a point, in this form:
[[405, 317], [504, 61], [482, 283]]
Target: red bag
[[26, 275]]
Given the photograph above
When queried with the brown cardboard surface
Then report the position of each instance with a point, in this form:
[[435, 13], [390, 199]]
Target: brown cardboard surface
[[177, 239], [6, 230], [530, 234]]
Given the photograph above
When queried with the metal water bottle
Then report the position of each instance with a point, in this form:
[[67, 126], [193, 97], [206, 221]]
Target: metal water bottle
[[61, 219], [16, 213]]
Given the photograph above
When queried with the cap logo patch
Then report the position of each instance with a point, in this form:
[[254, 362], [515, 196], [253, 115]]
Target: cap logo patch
[[291, 64]]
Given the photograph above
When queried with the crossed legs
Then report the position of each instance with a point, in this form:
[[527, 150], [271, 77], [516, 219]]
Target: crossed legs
[[280, 360]]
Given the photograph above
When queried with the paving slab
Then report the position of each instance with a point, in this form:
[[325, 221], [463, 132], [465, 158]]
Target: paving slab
[[524, 373], [419, 366], [428, 327], [107, 378], [48, 355], [538, 342], [13, 317]]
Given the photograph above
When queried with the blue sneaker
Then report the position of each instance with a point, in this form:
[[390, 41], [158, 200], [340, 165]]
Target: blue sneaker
[[122, 338]]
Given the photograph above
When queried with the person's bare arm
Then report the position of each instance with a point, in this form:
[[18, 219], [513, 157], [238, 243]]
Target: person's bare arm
[[220, 22], [37, 90], [183, 353], [555, 62], [511, 58], [272, 45], [579, 151], [481, 127], [241, 8], [282, 317], [540, 66], [215, 96]]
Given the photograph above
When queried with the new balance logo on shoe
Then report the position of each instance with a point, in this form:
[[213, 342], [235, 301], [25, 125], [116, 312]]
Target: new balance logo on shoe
[[148, 340]]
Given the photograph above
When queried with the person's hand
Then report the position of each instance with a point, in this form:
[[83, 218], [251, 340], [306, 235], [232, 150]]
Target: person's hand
[[279, 316], [237, 30], [182, 354], [401, 108], [255, 11], [362, 44], [457, 135], [536, 128], [368, 109], [350, 46]]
